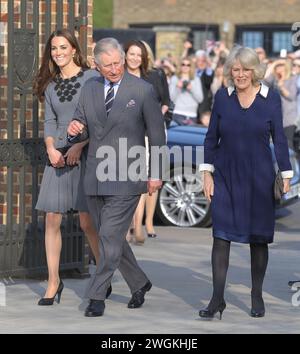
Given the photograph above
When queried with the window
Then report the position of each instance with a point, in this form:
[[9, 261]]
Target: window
[[200, 38], [272, 38], [282, 40], [253, 39]]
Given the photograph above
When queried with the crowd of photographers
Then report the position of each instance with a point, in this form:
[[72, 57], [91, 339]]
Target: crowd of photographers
[[195, 77]]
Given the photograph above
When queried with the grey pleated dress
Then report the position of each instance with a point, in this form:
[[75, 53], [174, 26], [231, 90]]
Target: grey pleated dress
[[62, 188]]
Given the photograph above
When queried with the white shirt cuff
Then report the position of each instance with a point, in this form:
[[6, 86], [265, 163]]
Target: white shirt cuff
[[287, 174], [206, 167], [210, 168]]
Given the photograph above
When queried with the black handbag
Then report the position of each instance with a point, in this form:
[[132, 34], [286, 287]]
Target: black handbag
[[63, 150], [278, 186]]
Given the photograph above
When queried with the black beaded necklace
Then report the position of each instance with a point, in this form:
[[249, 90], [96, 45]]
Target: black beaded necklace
[[67, 88]]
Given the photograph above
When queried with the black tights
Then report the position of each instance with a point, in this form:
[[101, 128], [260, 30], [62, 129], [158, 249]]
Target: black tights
[[220, 262]]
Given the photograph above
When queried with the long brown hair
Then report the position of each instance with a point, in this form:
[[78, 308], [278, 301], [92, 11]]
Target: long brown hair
[[49, 69], [144, 64]]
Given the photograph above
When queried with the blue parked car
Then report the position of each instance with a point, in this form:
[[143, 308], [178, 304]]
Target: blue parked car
[[181, 201]]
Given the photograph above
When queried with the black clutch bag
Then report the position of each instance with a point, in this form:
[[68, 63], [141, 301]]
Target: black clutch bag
[[62, 150], [278, 186]]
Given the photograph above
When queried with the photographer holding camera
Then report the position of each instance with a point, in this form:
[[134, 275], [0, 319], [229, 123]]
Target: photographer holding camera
[[186, 93]]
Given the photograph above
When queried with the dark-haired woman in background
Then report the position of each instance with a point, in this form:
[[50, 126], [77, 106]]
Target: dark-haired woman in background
[[139, 61], [59, 81]]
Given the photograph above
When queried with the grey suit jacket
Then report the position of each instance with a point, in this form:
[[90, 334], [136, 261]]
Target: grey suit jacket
[[135, 110]]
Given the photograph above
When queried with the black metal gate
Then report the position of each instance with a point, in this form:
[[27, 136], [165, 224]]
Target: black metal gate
[[22, 152]]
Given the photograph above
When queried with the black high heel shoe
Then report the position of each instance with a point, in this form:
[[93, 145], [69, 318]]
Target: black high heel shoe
[[257, 313], [258, 307], [210, 313], [47, 301]]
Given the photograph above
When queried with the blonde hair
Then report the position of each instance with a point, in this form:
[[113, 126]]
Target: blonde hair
[[248, 59], [150, 56], [192, 68]]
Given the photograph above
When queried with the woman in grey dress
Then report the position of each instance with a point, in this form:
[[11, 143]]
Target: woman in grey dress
[[62, 74]]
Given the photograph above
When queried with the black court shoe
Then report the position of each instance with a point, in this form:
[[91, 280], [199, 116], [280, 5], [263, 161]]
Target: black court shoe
[[210, 312], [257, 313], [47, 301], [258, 306]]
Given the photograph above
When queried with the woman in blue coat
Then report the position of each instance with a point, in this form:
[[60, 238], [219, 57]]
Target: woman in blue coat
[[239, 173]]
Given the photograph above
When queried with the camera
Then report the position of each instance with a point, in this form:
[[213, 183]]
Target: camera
[[185, 84]]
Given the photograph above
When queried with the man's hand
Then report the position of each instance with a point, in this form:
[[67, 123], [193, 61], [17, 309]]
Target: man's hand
[[73, 155], [75, 128], [153, 186]]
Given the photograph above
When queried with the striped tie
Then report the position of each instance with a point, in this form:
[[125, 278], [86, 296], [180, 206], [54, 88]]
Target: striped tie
[[109, 99]]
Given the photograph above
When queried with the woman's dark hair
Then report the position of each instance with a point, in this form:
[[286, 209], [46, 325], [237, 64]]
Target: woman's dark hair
[[144, 64], [49, 69]]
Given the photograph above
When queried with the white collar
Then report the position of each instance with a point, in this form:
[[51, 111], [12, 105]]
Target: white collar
[[107, 82], [264, 89], [230, 89]]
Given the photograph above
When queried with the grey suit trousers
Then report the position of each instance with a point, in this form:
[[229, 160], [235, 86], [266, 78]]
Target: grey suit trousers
[[112, 216]]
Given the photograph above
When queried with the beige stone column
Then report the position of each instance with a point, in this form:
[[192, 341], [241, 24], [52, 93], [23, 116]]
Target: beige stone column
[[169, 40]]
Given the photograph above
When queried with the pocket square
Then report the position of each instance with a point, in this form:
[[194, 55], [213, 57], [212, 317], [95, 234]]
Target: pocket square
[[131, 103]]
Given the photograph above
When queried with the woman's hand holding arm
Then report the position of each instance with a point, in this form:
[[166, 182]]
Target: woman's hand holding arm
[[55, 157]]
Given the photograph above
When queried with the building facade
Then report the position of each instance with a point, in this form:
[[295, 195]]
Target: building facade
[[255, 23]]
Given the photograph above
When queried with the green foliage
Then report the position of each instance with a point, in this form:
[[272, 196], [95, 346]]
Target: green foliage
[[102, 14]]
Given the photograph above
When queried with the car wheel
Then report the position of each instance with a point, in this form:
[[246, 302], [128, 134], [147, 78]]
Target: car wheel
[[181, 201]]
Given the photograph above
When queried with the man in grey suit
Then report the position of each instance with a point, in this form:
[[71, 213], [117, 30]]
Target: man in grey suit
[[113, 107]]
